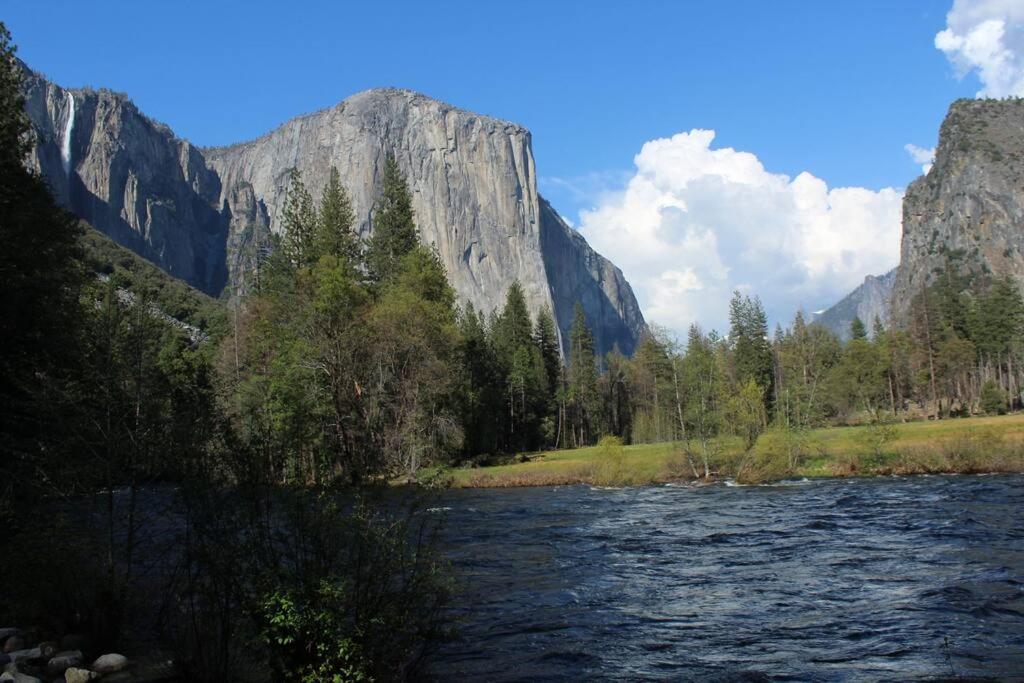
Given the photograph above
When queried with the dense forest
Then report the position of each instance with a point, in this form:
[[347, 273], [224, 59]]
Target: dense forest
[[353, 364]]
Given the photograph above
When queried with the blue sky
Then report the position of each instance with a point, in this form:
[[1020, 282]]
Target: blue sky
[[834, 89]]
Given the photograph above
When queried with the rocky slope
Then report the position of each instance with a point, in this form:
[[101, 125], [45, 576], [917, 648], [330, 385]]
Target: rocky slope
[[968, 211], [199, 213], [869, 301]]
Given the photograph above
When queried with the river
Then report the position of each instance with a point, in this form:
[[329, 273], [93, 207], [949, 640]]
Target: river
[[846, 579]]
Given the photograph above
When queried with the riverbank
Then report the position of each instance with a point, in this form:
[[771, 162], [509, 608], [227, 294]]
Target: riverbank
[[954, 446]]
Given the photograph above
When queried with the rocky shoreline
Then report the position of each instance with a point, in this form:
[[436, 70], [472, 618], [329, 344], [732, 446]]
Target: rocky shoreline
[[66, 661]]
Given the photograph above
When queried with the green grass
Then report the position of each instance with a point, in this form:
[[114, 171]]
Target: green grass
[[966, 445]]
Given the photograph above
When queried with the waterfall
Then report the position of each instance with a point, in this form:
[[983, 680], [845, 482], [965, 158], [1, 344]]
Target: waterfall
[[65, 148]]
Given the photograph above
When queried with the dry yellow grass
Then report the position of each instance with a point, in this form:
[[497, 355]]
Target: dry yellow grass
[[967, 445]]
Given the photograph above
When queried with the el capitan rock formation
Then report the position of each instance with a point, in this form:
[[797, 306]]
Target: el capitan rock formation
[[200, 213]]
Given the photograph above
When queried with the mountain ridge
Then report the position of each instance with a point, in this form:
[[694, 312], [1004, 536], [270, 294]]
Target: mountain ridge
[[201, 213]]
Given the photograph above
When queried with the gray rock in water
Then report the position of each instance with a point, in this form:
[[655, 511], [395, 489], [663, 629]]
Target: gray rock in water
[[110, 663], [74, 675], [14, 643], [968, 211], [28, 655], [61, 661], [201, 214]]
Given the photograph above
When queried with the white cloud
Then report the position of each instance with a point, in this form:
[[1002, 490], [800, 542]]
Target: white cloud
[[694, 223], [987, 36], [920, 155]]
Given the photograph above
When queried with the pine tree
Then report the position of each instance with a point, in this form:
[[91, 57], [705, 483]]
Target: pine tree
[[512, 328], [748, 335], [299, 222], [857, 329], [394, 226], [41, 276], [545, 336], [526, 381], [335, 235], [582, 379]]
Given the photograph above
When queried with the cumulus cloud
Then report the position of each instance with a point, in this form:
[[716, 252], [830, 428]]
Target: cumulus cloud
[[920, 155], [987, 37], [695, 223]]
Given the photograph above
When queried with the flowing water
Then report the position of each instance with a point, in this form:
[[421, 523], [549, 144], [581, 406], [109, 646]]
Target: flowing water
[[889, 578]]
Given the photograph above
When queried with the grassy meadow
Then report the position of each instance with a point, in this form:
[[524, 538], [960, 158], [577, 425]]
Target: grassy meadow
[[965, 445]]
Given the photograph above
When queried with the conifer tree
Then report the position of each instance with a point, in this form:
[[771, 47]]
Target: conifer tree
[[394, 226], [748, 335], [335, 235], [299, 222], [545, 336], [582, 379], [41, 276], [857, 329]]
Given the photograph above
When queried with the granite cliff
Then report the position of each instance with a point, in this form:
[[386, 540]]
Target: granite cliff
[[869, 301], [967, 213], [199, 213]]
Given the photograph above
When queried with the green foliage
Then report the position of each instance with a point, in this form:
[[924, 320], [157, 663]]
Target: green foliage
[[703, 416], [748, 336], [146, 281], [394, 227], [307, 637], [348, 596], [746, 414], [993, 398], [609, 469], [858, 332], [582, 391], [336, 235], [299, 222]]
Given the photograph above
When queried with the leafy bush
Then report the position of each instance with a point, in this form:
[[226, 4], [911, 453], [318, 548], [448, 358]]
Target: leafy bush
[[993, 398], [355, 595], [609, 470]]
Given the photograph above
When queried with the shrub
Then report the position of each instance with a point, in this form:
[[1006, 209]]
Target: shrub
[[609, 470], [993, 398]]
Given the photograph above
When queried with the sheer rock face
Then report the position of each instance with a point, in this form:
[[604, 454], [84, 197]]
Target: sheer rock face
[[131, 178], [201, 213], [869, 301], [574, 269], [968, 211]]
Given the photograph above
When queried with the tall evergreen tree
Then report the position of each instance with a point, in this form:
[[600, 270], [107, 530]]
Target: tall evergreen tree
[[748, 336], [583, 394], [857, 329], [299, 222], [40, 279], [336, 235], [394, 225], [545, 336]]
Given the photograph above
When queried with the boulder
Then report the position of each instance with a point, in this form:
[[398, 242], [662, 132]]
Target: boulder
[[75, 675], [14, 643], [6, 633], [25, 678], [110, 663], [25, 655], [48, 649], [62, 661]]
